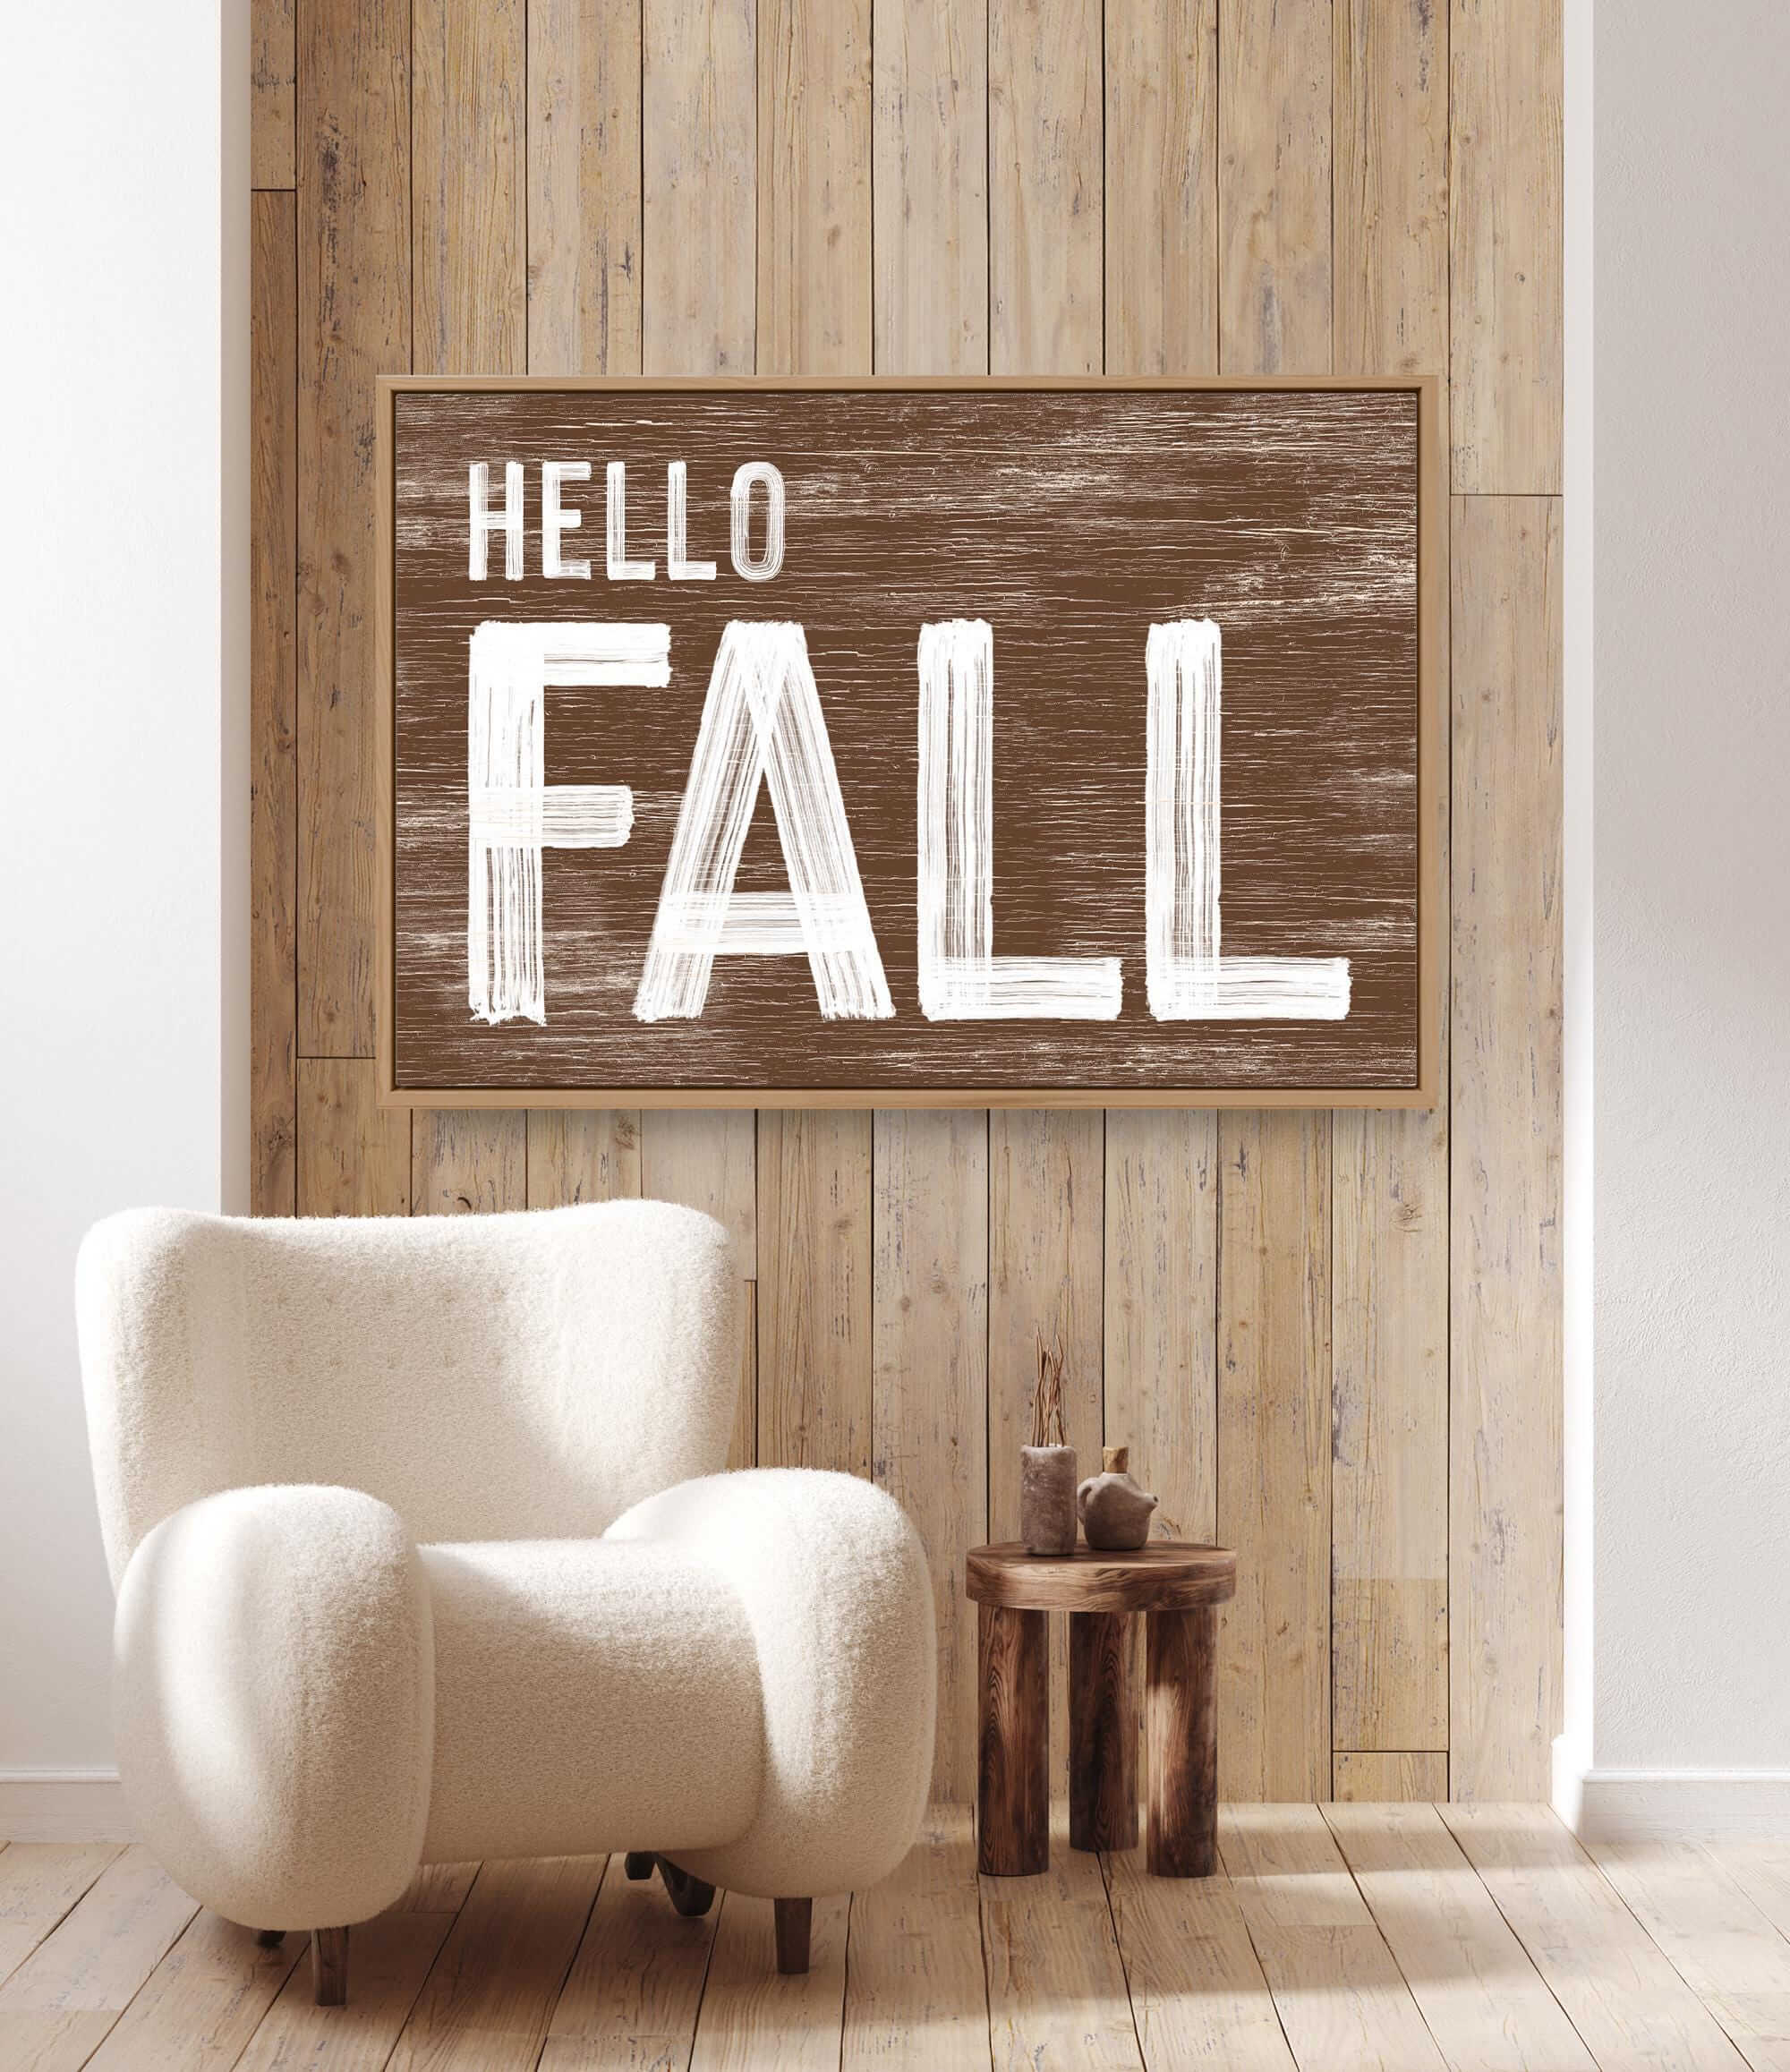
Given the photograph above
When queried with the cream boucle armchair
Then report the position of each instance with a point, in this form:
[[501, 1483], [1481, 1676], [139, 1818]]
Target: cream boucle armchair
[[411, 1568]]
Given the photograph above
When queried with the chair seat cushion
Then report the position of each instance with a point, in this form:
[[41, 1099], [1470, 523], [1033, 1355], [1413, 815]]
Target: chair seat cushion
[[589, 1695]]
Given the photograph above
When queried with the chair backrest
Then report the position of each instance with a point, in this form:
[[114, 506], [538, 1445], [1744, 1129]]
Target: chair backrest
[[489, 1377]]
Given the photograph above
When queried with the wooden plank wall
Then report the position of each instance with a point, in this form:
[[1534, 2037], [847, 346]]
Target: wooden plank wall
[[1333, 1340]]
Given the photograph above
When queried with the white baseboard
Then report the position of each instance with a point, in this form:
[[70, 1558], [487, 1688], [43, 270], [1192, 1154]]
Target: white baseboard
[[1570, 1770], [61, 1805], [1635, 1805]]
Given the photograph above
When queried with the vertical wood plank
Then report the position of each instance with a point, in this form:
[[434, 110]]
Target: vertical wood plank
[[698, 315], [353, 317], [582, 1154], [584, 186], [930, 1248], [469, 266], [353, 1156], [1274, 1293], [1044, 1210], [469, 187], [1162, 187], [1507, 227], [1161, 1240], [1161, 1310], [708, 1161], [1391, 207], [1045, 1239], [273, 92], [930, 1404], [273, 696], [1505, 1351], [1044, 187], [1274, 1454], [468, 1161], [1273, 188], [1378, 1779], [699, 281], [1046, 1169], [1389, 1567], [814, 1331], [584, 318], [813, 187], [1389, 1686], [930, 199]]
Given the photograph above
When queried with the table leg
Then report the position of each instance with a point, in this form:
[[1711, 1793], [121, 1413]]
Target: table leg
[[1103, 1733], [1013, 1766], [1181, 1723]]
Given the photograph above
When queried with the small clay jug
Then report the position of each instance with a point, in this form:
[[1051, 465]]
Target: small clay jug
[[1114, 1512]]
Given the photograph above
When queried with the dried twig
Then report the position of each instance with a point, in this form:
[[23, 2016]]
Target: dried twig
[[1047, 1400]]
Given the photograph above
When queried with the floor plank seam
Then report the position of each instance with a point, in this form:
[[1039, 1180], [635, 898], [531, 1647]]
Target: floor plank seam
[[1522, 1941], [1385, 1940], [1608, 1892], [52, 1927], [708, 1967], [1124, 1962], [1255, 1951], [398, 2034], [844, 1974], [1712, 2005], [577, 1943], [982, 1937], [1523, 1944], [100, 2040], [1707, 1849]]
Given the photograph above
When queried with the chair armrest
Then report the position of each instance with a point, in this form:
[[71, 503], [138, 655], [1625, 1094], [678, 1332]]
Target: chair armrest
[[834, 1583], [275, 1693]]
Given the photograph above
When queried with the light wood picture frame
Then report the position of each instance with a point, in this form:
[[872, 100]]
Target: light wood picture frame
[[941, 444]]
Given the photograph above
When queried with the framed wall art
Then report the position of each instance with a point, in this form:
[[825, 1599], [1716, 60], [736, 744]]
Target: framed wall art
[[911, 743]]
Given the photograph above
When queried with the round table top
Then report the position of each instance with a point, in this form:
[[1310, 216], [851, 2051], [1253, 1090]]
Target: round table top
[[1163, 1576]]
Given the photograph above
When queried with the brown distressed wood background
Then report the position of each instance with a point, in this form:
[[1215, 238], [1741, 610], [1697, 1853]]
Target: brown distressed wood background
[[1072, 521], [1333, 1341]]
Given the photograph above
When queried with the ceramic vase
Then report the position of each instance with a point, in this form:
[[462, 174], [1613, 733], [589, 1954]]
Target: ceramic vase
[[1047, 1499], [1114, 1512]]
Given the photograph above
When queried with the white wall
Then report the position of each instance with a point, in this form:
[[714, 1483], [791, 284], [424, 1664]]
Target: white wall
[[123, 684], [1690, 1632], [123, 246]]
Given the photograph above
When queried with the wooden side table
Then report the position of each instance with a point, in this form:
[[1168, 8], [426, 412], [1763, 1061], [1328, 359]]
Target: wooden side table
[[1178, 1588]]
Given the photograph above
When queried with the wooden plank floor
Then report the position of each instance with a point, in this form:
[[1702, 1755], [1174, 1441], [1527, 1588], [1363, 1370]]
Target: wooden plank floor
[[1335, 1937]]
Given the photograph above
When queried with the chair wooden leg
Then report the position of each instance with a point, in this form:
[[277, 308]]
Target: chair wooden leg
[[329, 1967], [269, 1938], [690, 1896], [638, 1864], [795, 1919]]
